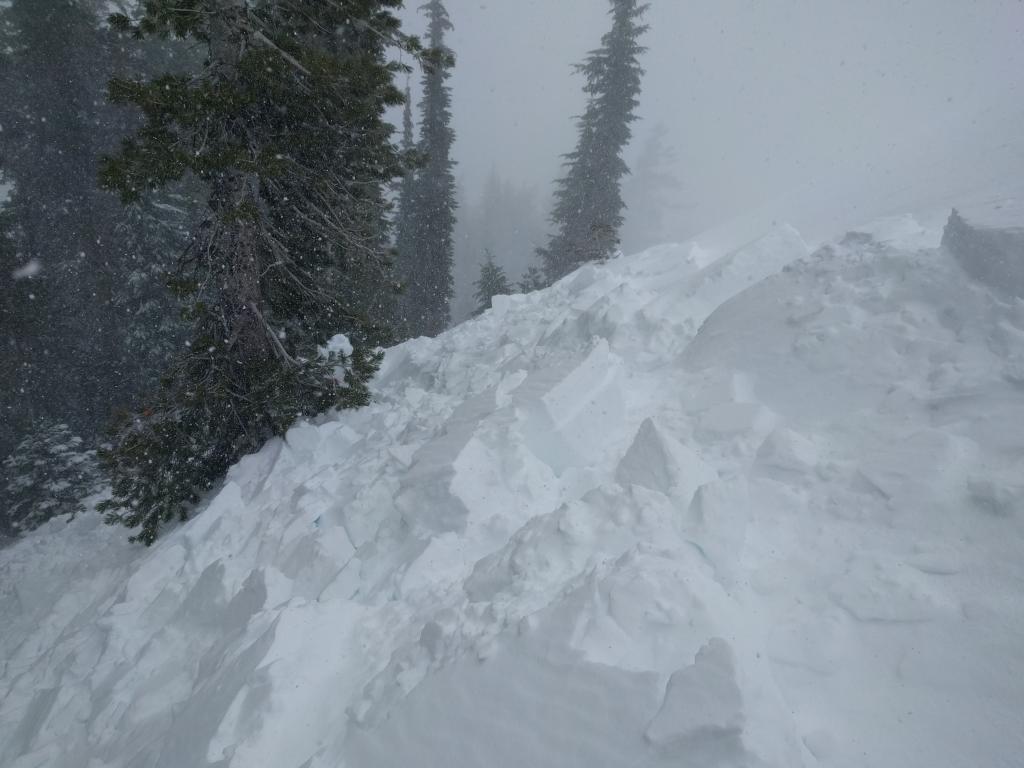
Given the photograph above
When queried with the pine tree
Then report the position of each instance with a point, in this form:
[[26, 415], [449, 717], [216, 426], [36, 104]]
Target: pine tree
[[405, 218], [149, 236], [588, 201], [492, 282], [284, 127], [22, 332], [428, 257], [48, 474], [533, 280], [154, 231], [51, 107], [649, 191], [92, 336], [506, 220]]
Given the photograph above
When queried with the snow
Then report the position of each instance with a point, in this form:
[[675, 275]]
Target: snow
[[693, 507], [29, 269], [338, 345]]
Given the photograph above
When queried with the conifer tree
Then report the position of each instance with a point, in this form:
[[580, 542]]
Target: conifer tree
[[649, 192], [23, 330], [428, 256], [81, 349], [533, 279], [284, 127], [51, 105], [49, 473], [588, 201], [405, 218], [492, 282]]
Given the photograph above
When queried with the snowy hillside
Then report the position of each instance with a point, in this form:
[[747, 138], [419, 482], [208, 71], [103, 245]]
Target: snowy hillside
[[761, 508]]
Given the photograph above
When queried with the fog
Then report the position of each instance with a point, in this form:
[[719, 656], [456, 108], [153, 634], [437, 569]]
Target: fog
[[786, 107]]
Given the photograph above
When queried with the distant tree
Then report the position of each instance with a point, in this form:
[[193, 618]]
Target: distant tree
[[48, 474], [54, 61], [533, 280], [492, 282], [428, 256], [588, 201], [649, 192], [90, 339], [405, 218], [23, 332], [284, 128], [505, 219]]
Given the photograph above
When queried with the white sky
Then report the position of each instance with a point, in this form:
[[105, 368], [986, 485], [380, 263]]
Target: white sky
[[762, 97]]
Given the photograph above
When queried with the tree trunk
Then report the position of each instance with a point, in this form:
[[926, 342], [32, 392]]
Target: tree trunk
[[237, 203]]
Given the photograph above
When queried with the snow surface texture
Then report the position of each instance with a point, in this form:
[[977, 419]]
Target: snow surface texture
[[683, 509]]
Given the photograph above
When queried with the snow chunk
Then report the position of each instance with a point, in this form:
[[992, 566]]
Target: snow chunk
[[338, 345], [702, 703], [658, 462], [28, 270], [787, 453]]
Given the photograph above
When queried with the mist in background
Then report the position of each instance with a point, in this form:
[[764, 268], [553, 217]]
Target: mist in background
[[819, 112]]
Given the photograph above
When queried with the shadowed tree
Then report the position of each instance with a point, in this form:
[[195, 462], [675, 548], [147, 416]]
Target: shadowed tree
[[588, 201], [51, 102], [492, 282], [405, 217], [428, 255], [649, 193], [284, 129]]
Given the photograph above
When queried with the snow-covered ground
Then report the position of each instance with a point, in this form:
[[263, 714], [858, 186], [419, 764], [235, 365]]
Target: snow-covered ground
[[689, 508]]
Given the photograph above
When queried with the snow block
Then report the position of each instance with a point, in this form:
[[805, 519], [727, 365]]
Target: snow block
[[786, 454], [991, 255], [659, 463], [702, 704], [717, 524], [735, 419], [588, 405]]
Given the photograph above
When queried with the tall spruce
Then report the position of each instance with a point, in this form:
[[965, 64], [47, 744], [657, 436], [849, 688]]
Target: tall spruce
[[428, 256], [55, 217], [23, 333], [505, 219], [84, 322], [405, 217], [588, 211], [649, 193], [284, 127], [82, 351]]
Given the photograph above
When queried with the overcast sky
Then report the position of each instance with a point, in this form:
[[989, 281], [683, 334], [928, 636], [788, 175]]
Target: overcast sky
[[762, 98]]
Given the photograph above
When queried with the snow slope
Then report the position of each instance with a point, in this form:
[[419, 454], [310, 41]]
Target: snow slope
[[761, 508]]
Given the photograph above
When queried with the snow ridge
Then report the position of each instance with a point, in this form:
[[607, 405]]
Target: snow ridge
[[761, 508]]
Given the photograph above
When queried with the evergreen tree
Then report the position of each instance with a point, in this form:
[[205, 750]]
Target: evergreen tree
[[428, 256], [533, 280], [649, 192], [89, 339], [22, 331], [51, 109], [504, 219], [284, 128], [48, 474], [405, 217], [153, 232], [588, 201], [492, 282]]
